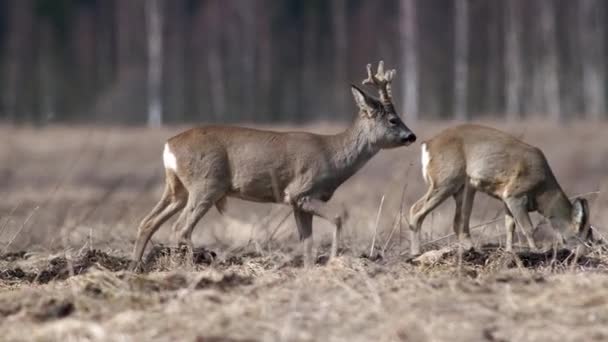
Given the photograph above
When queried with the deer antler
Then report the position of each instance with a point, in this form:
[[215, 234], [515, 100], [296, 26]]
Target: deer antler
[[382, 81]]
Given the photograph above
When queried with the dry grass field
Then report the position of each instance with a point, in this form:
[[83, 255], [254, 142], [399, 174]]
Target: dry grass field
[[71, 199]]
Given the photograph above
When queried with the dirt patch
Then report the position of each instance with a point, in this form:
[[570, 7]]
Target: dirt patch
[[449, 255], [166, 258], [519, 279], [474, 257], [14, 256], [37, 306], [499, 259], [240, 259], [53, 309], [221, 339], [174, 282], [164, 255], [9, 308], [377, 257], [561, 256], [225, 283], [60, 268], [16, 274]]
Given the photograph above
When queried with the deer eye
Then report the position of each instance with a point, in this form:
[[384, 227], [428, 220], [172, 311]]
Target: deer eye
[[393, 121]]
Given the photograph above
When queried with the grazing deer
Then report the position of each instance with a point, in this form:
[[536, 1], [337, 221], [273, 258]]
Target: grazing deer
[[205, 165], [468, 158]]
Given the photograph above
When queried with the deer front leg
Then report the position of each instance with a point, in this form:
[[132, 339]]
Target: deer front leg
[[510, 228], [519, 211], [304, 225], [467, 208], [321, 209]]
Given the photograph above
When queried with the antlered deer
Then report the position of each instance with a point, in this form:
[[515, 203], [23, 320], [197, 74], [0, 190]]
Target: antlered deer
[[205, 165], [468, 158]]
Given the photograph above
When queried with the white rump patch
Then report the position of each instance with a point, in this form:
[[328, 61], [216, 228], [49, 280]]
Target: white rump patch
[[426, 158], [287, 198], [169, 158]]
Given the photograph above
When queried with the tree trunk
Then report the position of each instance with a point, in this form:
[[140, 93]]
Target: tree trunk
[[309, 67], [127, 35], [409, 53], [105, 72], [265, 59], [85, 49], [493, 67], [591, 53], [174, 71], [155, 61], [550, 62], [246, 13], [47, 78], [340, 60], [513, 62], [461, 49], [215, 65], [19, 42]]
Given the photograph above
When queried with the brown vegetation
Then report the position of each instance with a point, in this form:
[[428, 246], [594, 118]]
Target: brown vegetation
[[72, 198]]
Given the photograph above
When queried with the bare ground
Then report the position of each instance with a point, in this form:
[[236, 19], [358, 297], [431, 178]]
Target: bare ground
[[72, 197]]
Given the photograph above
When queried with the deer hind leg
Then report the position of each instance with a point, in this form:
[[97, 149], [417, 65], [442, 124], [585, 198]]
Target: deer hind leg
[[421, 208], [519, 210], [198, 205], [179, 223], [172, 201], [462, 214], [321, 209], [304, 225], [510, 229]]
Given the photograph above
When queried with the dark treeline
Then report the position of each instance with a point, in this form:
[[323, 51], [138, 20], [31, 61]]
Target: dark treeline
[[137, 61]]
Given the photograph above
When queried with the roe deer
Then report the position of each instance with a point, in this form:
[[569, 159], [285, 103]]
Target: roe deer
[[205, 165], [468, 158]]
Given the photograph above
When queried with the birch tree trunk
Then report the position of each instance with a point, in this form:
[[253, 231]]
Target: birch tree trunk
[[591, 52], [461, 47], [155, 61], [513, 62], [409, 53]]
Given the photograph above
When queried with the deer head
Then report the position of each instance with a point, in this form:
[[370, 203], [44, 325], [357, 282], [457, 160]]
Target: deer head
[[383, 123], [580, 219]]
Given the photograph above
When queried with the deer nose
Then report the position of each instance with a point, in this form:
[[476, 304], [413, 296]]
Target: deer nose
[[408, 138]]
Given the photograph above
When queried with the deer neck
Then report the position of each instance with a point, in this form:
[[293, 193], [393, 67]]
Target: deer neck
[[353, 147], [555, 206]]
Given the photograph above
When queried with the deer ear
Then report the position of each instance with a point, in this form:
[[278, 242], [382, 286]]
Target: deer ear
[[580, 212], [361, 99]]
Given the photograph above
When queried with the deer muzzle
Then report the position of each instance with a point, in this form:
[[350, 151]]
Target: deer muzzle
[[407, 138]]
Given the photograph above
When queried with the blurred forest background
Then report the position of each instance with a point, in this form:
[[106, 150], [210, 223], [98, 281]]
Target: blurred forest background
[[170, 61]]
